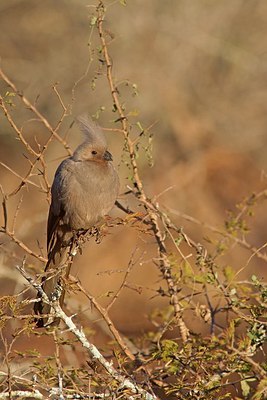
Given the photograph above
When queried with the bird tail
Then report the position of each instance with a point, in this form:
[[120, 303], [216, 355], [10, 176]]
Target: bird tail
[[58, 266]]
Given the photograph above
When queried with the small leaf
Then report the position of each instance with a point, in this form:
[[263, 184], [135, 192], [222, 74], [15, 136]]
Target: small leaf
[[245, 388], [138, 124], [133, 113], [93, 21], [229, 273], [255, 279]]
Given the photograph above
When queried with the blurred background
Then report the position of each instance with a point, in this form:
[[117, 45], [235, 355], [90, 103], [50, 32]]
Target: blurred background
[[196, 70]]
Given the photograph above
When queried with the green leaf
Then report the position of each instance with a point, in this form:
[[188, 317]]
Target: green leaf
[[229, 273], [245, 388], [93, 21], [133, 113], [255, 280]]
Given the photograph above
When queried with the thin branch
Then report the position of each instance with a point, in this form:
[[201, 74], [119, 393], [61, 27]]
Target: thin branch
[[165, 266], [125, 382], [241, 242], [22, 394], [122, 285], [23, 180], [35, 111], [15, 127], [24, 246], [111, 326], [65, 111]]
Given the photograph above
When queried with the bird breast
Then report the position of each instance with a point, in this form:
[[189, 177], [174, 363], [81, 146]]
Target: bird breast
[[86, 191]]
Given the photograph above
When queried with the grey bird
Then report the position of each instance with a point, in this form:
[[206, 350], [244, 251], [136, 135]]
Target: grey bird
[[84, 190]]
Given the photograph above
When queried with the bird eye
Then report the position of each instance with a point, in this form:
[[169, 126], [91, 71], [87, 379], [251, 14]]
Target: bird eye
[[94, 152]]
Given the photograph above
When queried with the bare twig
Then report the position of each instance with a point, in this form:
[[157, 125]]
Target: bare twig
[[35, 111], [22, 394], [112, 328], [242, 242], [24, 246]]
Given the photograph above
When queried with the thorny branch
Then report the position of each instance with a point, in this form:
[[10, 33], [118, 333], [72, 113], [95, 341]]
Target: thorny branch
[[150, 207], [125, 382]]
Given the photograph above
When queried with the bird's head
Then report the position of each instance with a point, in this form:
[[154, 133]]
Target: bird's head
[[94, 147]]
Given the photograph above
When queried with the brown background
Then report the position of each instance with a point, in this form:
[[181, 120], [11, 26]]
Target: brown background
[[200, 68]]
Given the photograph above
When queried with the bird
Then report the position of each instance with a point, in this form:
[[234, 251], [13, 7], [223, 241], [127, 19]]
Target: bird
[[84, 190]]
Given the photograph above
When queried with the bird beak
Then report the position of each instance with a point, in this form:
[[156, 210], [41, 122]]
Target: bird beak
[[107, 156]]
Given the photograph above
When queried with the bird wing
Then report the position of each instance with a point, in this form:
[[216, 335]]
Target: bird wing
[[52, 227]]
